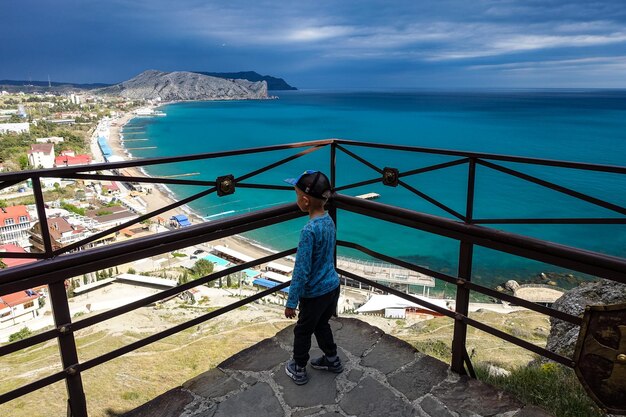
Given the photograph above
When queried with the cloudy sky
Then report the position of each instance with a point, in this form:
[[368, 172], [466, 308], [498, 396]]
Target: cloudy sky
[[322, 43]]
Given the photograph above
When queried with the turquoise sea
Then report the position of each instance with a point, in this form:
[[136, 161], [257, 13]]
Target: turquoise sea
[[583, 126]]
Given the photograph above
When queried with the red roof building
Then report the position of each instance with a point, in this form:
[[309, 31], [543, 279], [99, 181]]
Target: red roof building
[[11, 262], [18, 306], [68, 160]]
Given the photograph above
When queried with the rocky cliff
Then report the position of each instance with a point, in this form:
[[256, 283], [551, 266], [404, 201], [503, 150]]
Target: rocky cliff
[[182, 85], [273, 83], [563, 335]]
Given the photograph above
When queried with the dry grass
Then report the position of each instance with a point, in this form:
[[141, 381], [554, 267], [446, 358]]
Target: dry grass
[[133, 379], [434, 337]]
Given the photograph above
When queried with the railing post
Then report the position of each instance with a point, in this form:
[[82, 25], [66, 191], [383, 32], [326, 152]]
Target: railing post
[[43, 220], [466, 252], [67, 349], [332, 209]]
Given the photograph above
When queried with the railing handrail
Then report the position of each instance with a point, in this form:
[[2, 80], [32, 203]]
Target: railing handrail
[[485, 155], [579, 259], [55, 269], [60, 171]]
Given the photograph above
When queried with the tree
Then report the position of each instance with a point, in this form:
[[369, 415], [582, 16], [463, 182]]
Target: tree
[[2, 265], [202, 268], [3, 204], [23, 161]]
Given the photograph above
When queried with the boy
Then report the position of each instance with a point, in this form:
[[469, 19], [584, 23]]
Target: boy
[[314, 281]]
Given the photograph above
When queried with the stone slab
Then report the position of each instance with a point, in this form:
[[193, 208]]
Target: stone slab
[[213, 383], [419, 377], [355, 375], [320, 390], [356, 336], [389, 354], [256, 401], [372, 399], [170, 404], [435, 408], [285, 336], [468, 397], [263, 356]]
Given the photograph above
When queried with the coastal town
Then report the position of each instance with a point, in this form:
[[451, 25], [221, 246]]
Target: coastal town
[[76, 210]]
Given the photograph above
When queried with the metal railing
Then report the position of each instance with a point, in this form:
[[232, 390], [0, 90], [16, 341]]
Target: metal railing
[[58, 265]]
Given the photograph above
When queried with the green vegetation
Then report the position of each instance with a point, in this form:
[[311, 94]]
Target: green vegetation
[[72, 208], [202, 268], [23, 333], [550, 386], [130, 395], [178, 255], [40, 109], [103, 212]]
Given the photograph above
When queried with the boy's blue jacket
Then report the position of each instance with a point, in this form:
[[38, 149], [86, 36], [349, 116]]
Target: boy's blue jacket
[[314, 273]]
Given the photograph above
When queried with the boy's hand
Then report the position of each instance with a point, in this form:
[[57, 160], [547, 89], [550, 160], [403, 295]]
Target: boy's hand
[[290, 313]]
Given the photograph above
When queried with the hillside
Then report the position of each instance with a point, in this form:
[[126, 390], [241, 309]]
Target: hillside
[[182, 85]]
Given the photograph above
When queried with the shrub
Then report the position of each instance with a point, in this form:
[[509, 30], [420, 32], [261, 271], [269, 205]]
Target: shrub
[[550, 386], [130, 395], [22, 334]]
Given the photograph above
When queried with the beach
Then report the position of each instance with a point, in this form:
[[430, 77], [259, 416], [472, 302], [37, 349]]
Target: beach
[[161, 197]]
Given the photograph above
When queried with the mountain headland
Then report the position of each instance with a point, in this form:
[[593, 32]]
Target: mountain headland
[[184, 85], [29, 86], [273, 83]]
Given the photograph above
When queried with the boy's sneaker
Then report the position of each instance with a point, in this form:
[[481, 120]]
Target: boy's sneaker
[[297, 373], [323, 363]]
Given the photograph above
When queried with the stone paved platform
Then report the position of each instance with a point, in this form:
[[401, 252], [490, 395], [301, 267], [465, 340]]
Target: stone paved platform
[[383, 377]]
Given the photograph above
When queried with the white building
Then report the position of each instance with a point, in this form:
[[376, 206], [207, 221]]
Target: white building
[[18, 307], [14, 225], [14, 127], [41, 155], [51, 139]]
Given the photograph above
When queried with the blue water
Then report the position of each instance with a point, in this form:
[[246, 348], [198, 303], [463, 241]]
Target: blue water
[[584, 126]]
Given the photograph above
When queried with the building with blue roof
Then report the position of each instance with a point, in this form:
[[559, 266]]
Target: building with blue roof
[[266, 283], [181, 220]]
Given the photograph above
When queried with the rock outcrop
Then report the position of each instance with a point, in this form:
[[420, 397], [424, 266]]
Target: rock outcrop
[[182, 85], [563, 335], [273, 83]]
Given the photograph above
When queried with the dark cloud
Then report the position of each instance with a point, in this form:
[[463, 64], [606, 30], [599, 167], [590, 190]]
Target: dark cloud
[[316, 44]]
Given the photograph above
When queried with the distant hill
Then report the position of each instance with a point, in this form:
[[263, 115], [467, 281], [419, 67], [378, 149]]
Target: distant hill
[[183, 85], [53, 84], [273, 83], [42, 86]]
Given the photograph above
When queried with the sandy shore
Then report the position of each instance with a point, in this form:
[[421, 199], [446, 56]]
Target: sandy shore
[[159, 198]]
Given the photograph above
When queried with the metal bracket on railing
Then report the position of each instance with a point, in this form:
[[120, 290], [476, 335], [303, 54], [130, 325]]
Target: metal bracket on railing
[[65, 328], [391, 176], [72, 370], [225, 185]]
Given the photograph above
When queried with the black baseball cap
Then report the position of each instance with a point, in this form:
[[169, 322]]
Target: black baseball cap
[[313, 183]]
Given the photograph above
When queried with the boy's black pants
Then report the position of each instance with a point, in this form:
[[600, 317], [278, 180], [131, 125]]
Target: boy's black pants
[[313, 319]]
